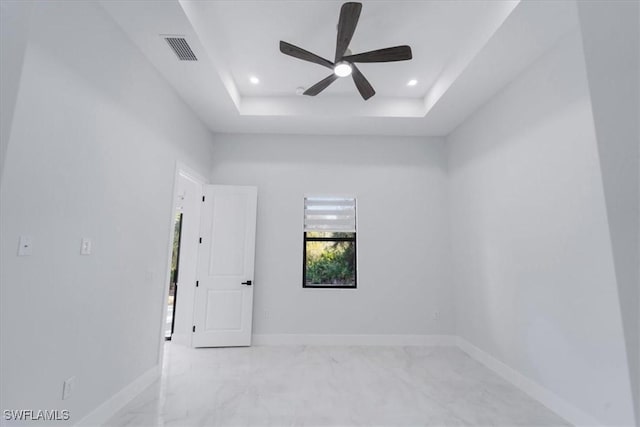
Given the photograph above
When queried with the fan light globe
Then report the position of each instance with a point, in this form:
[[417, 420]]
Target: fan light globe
[[342, 69]]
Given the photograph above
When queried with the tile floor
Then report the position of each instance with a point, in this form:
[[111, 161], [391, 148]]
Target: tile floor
[[329, 386]]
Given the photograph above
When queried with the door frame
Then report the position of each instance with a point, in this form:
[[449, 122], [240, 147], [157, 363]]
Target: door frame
[[184, 170]]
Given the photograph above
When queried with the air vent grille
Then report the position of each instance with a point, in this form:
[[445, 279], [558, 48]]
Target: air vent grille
[[181, 48]]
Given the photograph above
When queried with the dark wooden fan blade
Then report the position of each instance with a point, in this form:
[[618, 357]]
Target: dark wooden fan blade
[[305, 55], [349, 15], [321, 85], [390, 54], [363, 85]]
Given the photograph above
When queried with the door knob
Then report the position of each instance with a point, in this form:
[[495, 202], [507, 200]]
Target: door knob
[[248, 283]]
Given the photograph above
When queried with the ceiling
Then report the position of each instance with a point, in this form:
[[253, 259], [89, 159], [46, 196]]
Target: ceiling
[[464, 52], [252, 49]]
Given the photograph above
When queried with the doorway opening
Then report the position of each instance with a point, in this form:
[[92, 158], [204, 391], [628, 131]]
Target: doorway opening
[[173, 280]]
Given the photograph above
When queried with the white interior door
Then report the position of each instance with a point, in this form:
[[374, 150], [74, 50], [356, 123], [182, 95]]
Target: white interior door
[[224, 293]]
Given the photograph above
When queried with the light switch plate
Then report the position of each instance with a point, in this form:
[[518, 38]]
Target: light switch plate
[[25, 245], [85, 246]]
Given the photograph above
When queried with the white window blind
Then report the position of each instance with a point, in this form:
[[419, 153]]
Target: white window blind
[[330, 214]]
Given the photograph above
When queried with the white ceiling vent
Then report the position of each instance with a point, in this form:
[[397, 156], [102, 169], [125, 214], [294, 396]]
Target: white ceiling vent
[[181, 48]]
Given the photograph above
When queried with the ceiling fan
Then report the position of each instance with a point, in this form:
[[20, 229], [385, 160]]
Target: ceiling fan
[[345, 63]]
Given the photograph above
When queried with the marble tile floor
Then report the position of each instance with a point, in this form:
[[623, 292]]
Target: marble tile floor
[[329, 386]]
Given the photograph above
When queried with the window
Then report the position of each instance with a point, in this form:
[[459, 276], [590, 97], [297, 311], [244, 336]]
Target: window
[[329, 250]]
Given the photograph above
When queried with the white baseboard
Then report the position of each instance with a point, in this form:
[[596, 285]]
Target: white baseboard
[[543, 395], [102, 413], [318, 339]]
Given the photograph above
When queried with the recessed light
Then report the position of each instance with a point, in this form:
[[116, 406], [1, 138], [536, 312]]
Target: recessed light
[[412, 82], [254, 80]]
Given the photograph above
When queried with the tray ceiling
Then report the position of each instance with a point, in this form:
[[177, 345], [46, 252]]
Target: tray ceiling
[[464, 52]]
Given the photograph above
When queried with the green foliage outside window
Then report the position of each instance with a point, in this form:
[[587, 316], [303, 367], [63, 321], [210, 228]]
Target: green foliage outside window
[[177, 229], [330, 262]]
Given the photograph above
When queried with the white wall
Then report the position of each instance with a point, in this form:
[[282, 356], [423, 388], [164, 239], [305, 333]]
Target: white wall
[[611, 39], [14, 30], [400, 186], [95, 139], [534, 273]]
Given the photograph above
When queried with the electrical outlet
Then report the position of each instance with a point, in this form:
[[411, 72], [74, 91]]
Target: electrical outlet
[[68, 388], [436, 315]]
